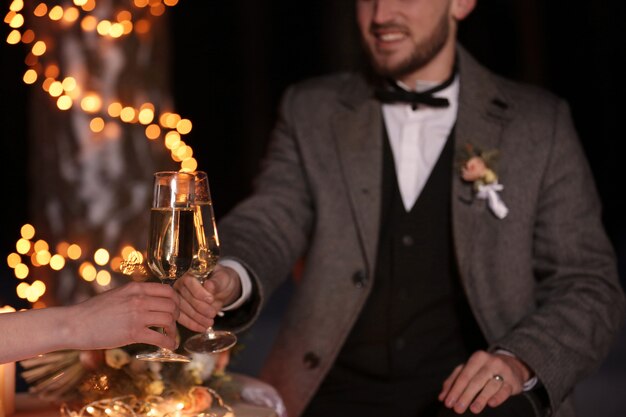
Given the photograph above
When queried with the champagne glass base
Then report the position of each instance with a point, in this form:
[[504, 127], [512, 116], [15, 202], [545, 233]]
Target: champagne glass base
[[162, 355], [215, 342]]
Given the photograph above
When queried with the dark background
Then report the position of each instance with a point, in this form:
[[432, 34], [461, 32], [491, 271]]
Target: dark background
[[250, 51], [231, 63]]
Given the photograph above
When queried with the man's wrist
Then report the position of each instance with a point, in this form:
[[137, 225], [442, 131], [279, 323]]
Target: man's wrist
[[244, 280]]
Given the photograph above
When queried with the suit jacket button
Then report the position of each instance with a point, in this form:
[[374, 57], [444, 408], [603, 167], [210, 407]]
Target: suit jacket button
[[359, 279], [311, 360]]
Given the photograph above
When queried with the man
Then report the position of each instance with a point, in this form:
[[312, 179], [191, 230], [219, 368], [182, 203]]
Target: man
[[427, 289]]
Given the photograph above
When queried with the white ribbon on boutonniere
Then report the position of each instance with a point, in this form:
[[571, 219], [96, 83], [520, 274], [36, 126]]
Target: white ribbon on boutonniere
[[478, 167]]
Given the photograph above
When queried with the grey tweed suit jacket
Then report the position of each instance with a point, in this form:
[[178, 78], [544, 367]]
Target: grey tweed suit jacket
[[542, 282]]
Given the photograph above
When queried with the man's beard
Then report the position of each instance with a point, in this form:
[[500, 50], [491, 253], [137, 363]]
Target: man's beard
[[422, 54]]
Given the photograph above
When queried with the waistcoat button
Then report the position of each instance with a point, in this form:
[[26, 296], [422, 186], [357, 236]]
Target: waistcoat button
[[359, 279], [311, 360]]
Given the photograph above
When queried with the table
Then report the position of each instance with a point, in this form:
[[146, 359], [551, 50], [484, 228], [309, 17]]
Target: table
[[27, 405]]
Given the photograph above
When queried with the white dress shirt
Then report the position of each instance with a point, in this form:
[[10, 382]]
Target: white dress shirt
[[417, 138]]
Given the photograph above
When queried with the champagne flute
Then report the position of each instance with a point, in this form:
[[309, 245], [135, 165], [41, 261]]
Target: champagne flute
[[171, 237], [205, 256]]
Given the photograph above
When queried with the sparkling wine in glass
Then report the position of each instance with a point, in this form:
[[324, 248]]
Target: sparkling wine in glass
[[171, 238], [205, 256]]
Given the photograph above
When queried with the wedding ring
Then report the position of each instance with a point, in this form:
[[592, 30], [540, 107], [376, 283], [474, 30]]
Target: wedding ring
[[498, 378]]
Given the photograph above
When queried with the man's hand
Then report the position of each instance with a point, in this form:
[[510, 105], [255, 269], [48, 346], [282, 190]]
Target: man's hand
[[200, 303], [486, 379]]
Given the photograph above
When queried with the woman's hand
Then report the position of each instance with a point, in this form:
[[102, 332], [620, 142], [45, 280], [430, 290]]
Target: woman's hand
[[125, 315]]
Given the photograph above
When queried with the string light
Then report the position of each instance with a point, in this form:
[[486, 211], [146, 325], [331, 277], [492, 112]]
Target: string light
[[39, 254], [123, 23], [105, 117]]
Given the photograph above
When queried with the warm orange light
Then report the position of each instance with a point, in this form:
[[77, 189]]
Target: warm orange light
[[38, 287], [41, 10], [116, 261], [141, 3], [172, 140], [89, 5], [47, 83], [22, 246], [127, 25], [116, 30], [87, 271], [71, 14], [157, 9], [142, 26], [101, 256], [31, 59], [62, 248], [52, 71], [89, 23], [22, 289], [189, 165], [183, 126], [123, 15], [27, 231], [56, 13], [103, 278], [64, 102], [114, 109], [172, 120], [69, 83], [28, 36], [39, 48], [57, 262], [9, 16], [183, 152], [153, 131], [30, 76], [74, 251], [17, 21], [103, 27], [55, 89], [14, 37], [127, 114], [43, 257], [13, 259], [41, 245], [170, 3], [20, 271], [146, 116], [91, 103], [127, 251], [33, 259], [16, 5], [80, 3], [96, 125]]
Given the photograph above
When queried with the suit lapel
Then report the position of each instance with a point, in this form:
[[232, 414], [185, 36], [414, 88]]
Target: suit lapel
[[357, 130], [482, 114]]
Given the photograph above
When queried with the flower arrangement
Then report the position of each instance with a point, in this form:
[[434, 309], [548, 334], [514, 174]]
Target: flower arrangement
[[92, 382], [479, 167]]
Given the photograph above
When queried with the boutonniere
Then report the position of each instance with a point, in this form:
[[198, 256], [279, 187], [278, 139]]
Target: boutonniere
[[479, 168]]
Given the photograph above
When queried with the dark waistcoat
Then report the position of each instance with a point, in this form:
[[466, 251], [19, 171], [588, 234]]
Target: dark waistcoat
[[416, 325]]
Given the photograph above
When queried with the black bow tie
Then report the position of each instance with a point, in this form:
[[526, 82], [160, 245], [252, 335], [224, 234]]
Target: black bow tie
[[397, 94]]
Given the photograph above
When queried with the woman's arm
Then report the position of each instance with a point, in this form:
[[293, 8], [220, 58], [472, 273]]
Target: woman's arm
[[117, 317]]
